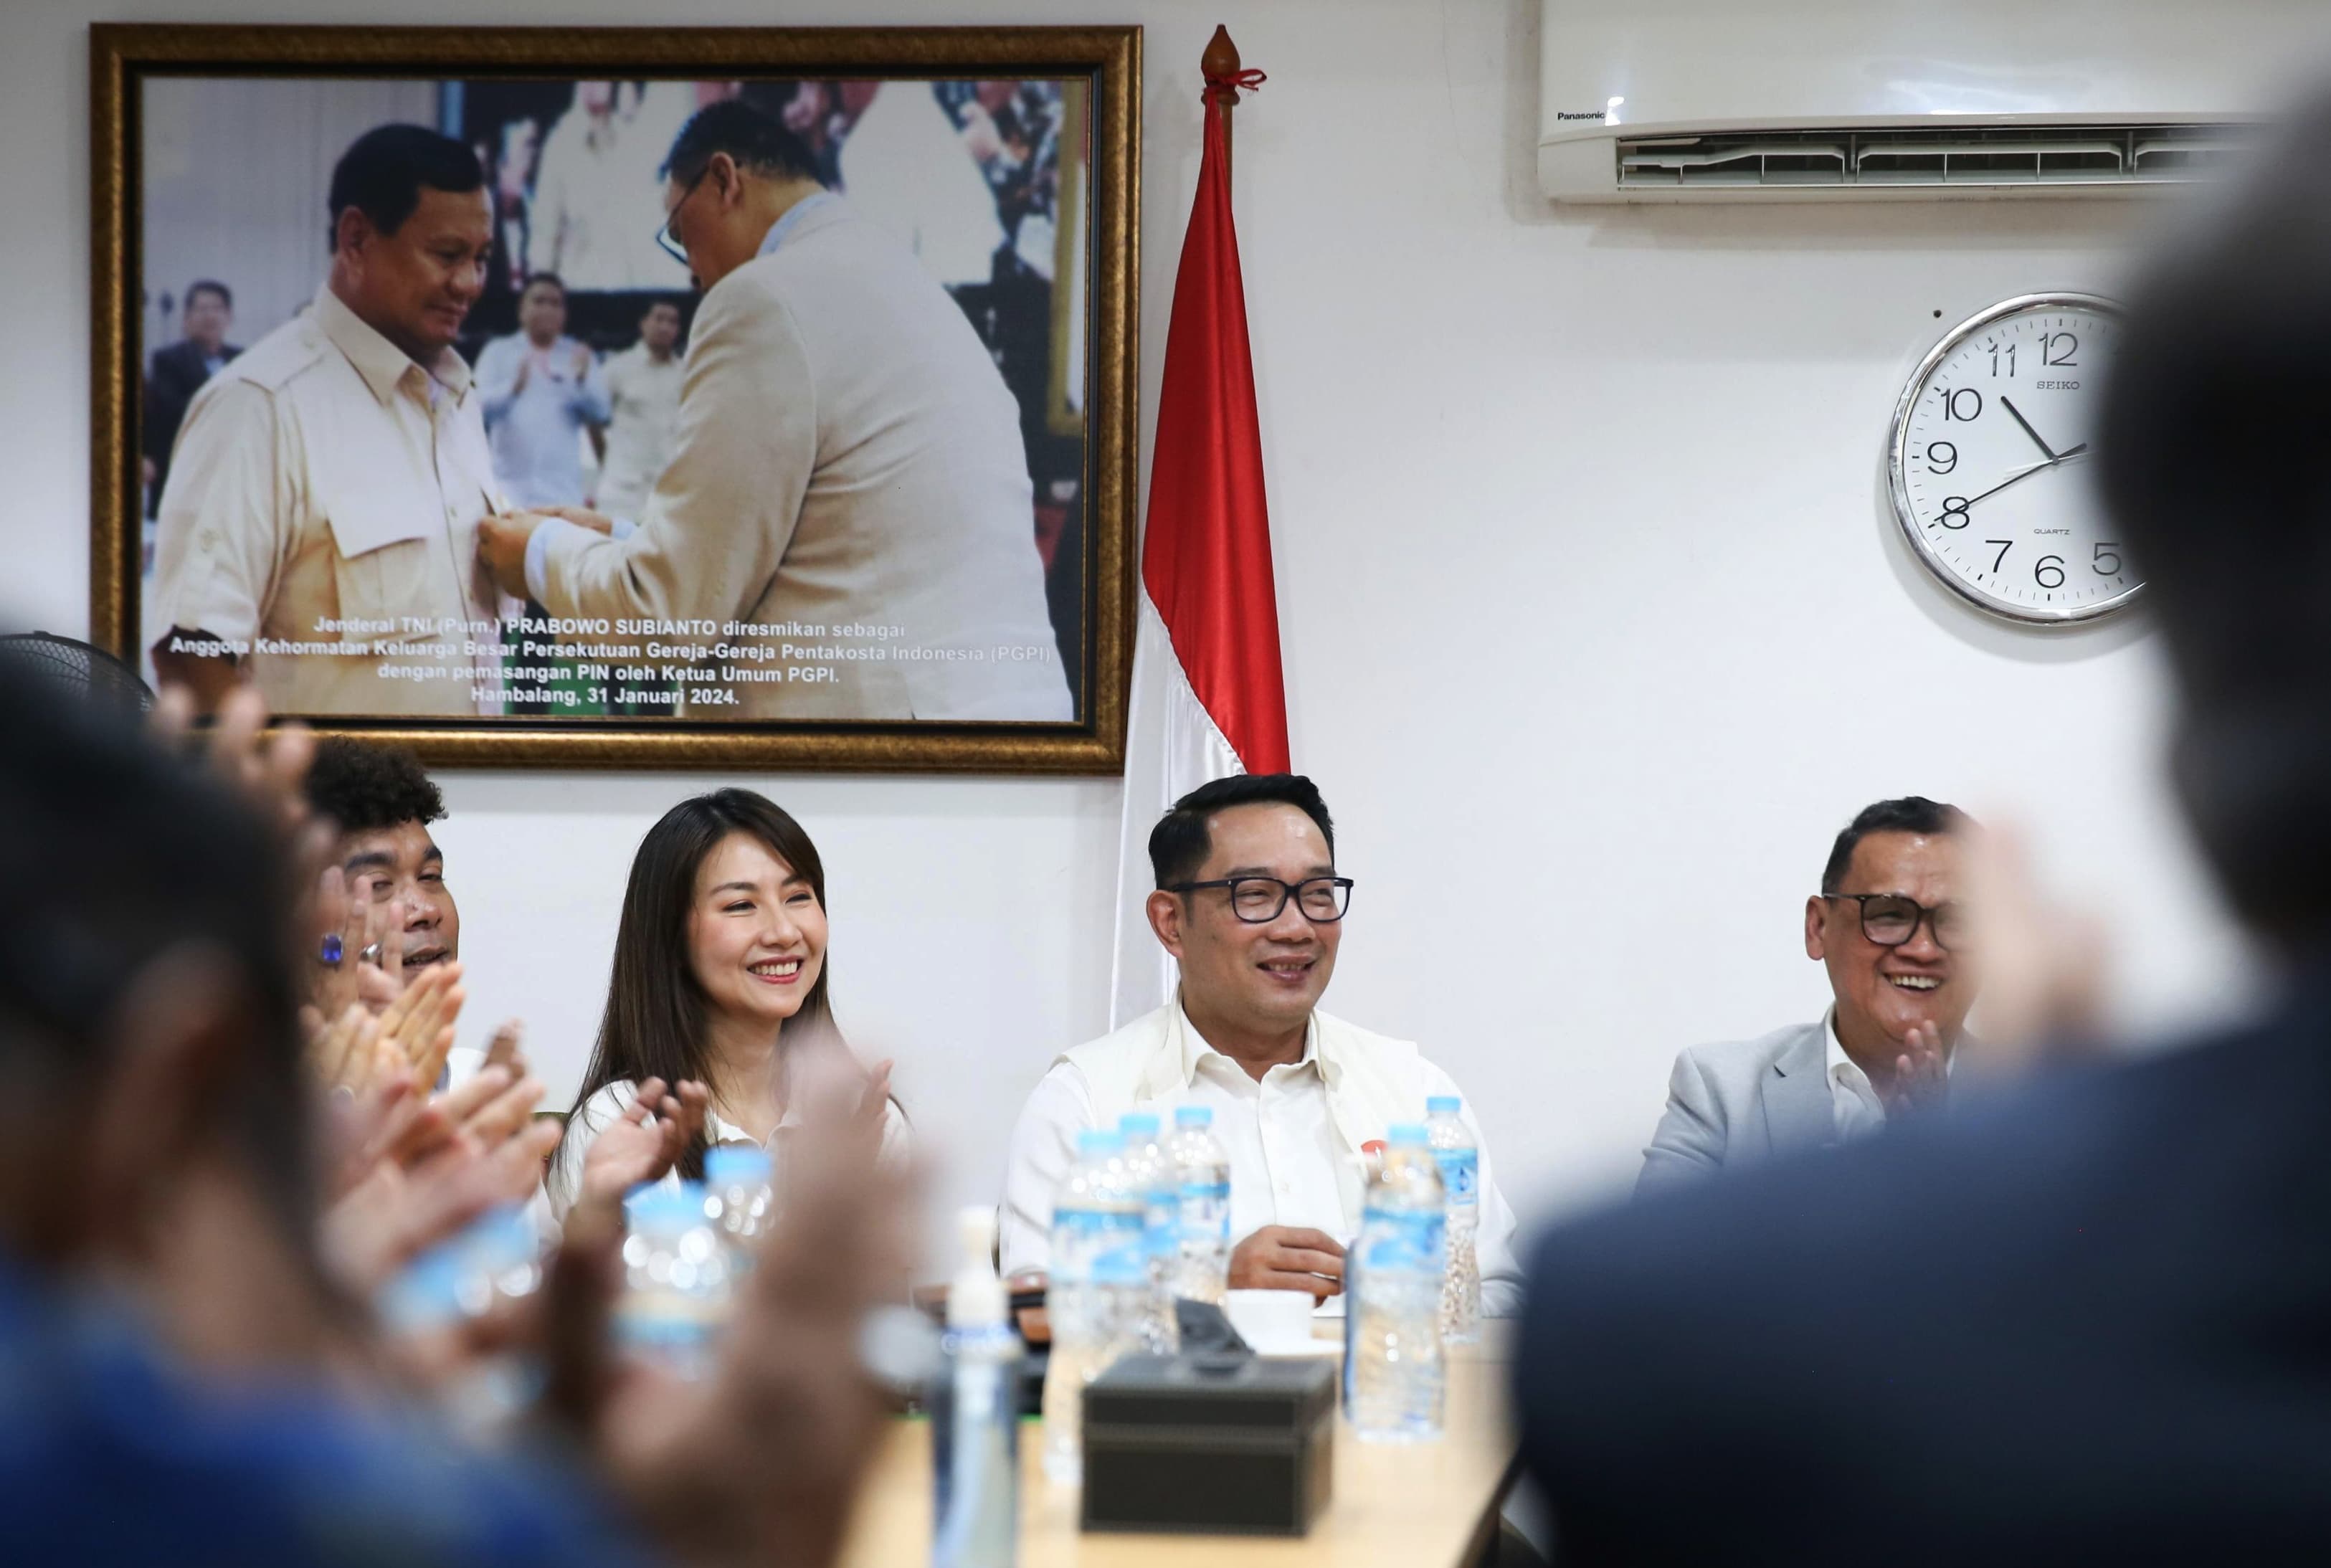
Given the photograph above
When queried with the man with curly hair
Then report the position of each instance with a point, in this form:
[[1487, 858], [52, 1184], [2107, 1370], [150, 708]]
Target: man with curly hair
[[384, 804]]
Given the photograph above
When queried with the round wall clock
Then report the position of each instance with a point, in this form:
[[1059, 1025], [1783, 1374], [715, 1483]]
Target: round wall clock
[[1987, 456]]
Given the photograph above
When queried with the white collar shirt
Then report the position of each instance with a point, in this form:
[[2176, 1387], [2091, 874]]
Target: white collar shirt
[[561, 1181], [1853, 1098], [1290, 1166]]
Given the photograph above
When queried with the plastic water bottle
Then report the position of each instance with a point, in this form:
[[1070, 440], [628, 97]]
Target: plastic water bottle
[[739, 1201], [1460, 1186], [1096, 1290], [676, 1281], [1394, 1383], [974, 1405], [495, 1262], [1203, 1265], [1151, 1171]]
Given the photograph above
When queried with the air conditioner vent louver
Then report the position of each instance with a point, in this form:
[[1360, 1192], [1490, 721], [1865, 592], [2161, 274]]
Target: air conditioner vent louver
[[2106, 156]]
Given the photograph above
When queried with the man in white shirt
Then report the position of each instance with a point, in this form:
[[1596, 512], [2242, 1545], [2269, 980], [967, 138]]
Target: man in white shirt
[[318, 531], [1248, 902], [594, 196], [849, 472], [540, 391], [643, 406], [1890, 927]]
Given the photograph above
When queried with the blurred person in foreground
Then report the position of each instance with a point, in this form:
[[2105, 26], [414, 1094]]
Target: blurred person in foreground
[[328, 484], [1250, 905], [1890, 927], [177, 372], [848, 465], [188, 1378], [2086, 1322]]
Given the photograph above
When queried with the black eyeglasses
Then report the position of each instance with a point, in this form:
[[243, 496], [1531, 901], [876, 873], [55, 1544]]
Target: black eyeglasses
[[664, 237], [1890, 919], [1257, 900]]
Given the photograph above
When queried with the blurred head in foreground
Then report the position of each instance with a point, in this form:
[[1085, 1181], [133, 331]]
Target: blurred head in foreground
[[154, 1123], [2210, 456]]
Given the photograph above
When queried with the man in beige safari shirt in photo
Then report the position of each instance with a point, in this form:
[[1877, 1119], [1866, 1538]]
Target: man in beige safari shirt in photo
[[325, 490]]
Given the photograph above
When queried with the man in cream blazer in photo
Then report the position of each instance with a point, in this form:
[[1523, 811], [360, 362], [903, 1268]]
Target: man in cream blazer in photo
[[847, 468], [1888, 926], [1248, 901]]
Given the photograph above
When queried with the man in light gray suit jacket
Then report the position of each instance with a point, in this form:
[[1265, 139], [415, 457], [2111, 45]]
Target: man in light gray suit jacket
[[1889, 927]]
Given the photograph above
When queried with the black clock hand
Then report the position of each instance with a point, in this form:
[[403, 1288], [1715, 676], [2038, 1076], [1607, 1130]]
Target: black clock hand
[[2026, 423], [2024, 473]]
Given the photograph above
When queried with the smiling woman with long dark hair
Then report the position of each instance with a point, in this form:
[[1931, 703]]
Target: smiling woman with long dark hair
[[719, 978]]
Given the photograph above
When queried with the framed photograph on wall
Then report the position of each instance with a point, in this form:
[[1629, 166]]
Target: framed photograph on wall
[[625, 397]]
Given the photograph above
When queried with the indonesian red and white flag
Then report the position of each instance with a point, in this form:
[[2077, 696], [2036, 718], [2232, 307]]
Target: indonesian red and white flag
[[1208, 699]]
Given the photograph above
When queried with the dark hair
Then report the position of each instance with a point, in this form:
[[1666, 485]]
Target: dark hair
[[656, 1024], [2207, 452], [363, 786], [1179, 843], [545, 276], [757, 141], [210, 286], [382, 171], [1909, 814], [115, 852]]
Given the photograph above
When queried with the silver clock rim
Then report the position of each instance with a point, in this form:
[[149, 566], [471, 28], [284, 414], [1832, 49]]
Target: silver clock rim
[[1897, 457]]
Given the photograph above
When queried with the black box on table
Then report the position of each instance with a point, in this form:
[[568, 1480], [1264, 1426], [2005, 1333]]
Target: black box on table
[[1209, 1444]]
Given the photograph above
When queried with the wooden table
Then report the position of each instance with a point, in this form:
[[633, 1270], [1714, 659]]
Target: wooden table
[[1431, 1505]]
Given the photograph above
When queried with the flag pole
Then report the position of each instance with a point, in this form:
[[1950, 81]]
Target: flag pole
[[1220, 63]]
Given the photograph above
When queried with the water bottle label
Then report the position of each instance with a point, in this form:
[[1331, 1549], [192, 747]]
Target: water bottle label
[[1091, 1223], [1083, 1238], [1461, 1174], [657, 1326], [1206, 1212], [1161, 1222], [1394, 1241]]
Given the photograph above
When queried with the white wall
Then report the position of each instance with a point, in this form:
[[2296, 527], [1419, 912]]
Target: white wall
[[1595, 629]]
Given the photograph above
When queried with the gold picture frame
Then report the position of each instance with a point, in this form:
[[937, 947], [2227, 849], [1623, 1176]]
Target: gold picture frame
[[1097, 73]]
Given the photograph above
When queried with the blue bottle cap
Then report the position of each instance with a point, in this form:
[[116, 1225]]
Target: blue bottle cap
[[1193, 1116], [1443, 1105], [1405, 1132], [1138, 1124], [1095, 1142], [729, 1164], [681, 1203]]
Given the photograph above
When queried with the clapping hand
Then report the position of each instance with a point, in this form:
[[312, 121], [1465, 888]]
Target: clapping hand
[[1921, 1078], [644, 1143], [424, 1170]]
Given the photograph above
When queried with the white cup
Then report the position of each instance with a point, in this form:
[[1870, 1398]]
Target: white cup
[[1274, 1322]]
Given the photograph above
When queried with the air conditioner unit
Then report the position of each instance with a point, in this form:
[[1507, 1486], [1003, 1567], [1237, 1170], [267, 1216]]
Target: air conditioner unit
[[1653, 100]]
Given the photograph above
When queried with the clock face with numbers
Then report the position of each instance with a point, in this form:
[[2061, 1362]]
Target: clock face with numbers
[[1989, 457]]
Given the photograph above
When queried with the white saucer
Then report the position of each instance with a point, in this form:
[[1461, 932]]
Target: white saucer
[[1306, 1346]]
